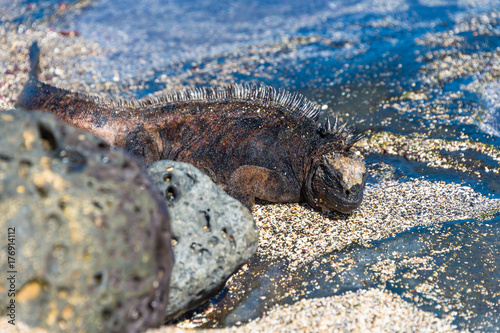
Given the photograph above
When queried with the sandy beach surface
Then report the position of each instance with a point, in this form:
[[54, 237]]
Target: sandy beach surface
[[296, 233]]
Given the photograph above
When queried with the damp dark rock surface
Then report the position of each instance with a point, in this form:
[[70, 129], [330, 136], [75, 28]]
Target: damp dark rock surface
[[213, 234], [91, 233]]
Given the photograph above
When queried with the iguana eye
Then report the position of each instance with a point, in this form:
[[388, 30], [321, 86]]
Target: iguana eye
[[331, 177]]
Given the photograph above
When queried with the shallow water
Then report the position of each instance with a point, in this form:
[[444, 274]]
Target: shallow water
[[397, 66]]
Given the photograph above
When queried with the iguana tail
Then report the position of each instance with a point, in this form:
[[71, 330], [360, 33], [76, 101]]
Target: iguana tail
[[34, 61], [27, 98], [87, 112]]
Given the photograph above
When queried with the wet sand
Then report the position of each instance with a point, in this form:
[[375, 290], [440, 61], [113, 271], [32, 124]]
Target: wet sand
[[290, 231]]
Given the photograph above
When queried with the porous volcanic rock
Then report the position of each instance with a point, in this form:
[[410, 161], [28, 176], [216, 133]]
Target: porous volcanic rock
[[213, 234], [92, 234]]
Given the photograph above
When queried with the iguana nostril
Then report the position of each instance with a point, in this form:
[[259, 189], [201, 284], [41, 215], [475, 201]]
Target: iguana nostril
[[347, 193]]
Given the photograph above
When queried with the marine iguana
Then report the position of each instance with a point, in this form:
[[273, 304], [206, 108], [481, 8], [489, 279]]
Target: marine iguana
[[253, 141]]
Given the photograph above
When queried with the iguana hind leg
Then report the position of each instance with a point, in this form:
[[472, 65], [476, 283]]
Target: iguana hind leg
[[141, 144], [249, 182]]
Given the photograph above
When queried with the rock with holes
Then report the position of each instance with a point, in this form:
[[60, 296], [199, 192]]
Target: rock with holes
[[89, 234], [213, 234]]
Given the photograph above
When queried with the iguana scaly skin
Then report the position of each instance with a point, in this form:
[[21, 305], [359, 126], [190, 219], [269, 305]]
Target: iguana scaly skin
[[253, 141]]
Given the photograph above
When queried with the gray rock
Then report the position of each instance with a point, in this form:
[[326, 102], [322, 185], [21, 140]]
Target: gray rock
[[213, 234], [90, 240]]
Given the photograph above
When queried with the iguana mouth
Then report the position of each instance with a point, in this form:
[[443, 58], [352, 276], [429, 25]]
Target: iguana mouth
[[343, 202]]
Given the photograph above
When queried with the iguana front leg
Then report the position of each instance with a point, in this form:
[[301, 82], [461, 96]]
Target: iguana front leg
[[249, 182]]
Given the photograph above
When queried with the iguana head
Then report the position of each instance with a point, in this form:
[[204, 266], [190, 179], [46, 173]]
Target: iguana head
[[336, 182]]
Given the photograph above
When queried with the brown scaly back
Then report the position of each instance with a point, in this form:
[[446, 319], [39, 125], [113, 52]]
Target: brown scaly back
[[265, 95], [268, 97], [257, 94]]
